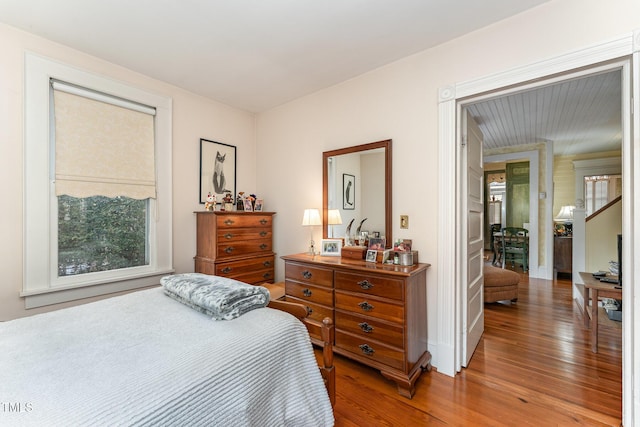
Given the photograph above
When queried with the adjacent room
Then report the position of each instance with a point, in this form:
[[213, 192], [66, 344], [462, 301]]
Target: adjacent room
[[293, 213]]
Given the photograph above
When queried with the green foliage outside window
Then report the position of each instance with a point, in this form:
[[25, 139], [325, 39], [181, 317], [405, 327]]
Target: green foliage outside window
[[100, 233]]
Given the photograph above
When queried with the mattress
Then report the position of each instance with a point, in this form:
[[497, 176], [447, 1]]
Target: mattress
[[145, 359]]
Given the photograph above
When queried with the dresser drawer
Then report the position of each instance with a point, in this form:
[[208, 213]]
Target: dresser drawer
[[371, 349], [306, 274], [234, 235], [316, 311], [371, 285], [310, 293], [249, 265], [370, 328], [361, 304], [239, 248], [243, 221], [256, 277]]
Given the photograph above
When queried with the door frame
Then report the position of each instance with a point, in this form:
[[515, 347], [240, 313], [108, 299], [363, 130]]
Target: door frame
[[447, 346], [534, 175]]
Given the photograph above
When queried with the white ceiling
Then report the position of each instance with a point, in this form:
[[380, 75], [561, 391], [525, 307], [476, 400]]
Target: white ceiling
[[578, 116], [258, 54], [254, 54]]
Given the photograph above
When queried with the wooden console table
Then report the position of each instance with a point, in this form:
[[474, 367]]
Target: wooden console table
[[597, 289]]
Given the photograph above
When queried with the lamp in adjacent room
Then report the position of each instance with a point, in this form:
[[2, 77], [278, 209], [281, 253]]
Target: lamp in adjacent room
[[565, 218], [311, 217], [334, 218]]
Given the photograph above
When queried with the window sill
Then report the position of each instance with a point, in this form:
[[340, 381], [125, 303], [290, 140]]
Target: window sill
[[56, 296]]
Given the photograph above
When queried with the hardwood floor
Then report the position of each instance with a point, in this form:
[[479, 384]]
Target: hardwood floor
[[533, 366]]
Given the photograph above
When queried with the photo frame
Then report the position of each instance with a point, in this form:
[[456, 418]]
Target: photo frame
[[259, 206], [331, 247], [217, 169], [248, 206], [377, 244], [371, 255], [348, 191]]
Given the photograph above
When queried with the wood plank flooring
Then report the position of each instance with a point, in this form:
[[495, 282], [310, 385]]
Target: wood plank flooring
[[533, 367]]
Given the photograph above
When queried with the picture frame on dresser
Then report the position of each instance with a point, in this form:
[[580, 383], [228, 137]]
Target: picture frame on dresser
[[331, 247], [259, 206], [217, 169]]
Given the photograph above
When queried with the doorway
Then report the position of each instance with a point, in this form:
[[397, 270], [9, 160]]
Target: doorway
[[452, 101]]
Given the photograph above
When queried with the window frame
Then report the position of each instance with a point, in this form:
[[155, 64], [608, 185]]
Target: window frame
[[40, 284]]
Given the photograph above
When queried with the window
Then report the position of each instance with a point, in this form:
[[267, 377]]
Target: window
[[107, 226], [600, 190]]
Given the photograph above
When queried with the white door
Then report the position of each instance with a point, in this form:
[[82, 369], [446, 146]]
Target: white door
[[473, 220]]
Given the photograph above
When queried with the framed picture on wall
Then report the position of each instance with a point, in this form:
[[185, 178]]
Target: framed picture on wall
[[348, 191], [217, 169]]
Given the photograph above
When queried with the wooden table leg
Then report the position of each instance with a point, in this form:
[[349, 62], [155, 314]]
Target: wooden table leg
[[586, 308], [594, 320]]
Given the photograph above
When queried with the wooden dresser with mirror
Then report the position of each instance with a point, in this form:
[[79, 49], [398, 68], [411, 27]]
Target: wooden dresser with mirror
[[379, 310]]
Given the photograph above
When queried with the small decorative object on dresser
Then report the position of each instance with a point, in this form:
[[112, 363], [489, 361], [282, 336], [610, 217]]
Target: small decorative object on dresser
[[331, 247], [379, 311], [236, 245], [371, 255]]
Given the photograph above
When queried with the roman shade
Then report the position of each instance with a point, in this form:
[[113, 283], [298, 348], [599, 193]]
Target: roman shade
[[103, 147]]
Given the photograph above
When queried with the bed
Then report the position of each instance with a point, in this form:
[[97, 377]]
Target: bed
[[147, 359]]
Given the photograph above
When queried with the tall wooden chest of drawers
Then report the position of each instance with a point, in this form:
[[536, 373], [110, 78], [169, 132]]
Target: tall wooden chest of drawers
[[238, 245], [379, 311]]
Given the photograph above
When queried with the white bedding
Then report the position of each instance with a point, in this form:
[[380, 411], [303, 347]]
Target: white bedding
[[145, 359]]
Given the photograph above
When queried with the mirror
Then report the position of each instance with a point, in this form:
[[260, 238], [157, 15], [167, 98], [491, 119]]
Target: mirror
[[357, 182]]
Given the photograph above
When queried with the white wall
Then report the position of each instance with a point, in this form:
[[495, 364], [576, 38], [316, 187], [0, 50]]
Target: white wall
[[194, 117], [400, 102]]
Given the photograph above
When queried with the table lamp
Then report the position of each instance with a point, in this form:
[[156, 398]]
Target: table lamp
[[334, 218], [565, 217], [311, 217]]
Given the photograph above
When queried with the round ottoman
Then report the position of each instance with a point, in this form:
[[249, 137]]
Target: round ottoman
[[500, 284]]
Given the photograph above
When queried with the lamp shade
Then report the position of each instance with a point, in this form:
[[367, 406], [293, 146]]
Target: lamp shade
[[311, 217], [334, 217], [565, 214]]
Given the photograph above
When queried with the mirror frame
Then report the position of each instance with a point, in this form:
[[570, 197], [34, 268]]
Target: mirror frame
[[386, 144]]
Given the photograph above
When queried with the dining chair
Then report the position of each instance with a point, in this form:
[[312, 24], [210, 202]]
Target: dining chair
[[515, 246]]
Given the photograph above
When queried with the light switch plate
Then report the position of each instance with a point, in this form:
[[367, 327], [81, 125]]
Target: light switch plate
[[404, 221]]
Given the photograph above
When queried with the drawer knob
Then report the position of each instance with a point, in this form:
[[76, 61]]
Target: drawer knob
[[365, 306], [307, 274], [309, 310], [366, 349], [263, 233], [266, 275], [365, 284], [366, 328], [306, 292], [263, 221], [267, 263], [227, 270], [264, 246], [228, 236], [229, 249], [228, 221]]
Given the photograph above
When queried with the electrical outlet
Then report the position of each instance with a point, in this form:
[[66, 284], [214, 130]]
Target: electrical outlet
[[404, 221]]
